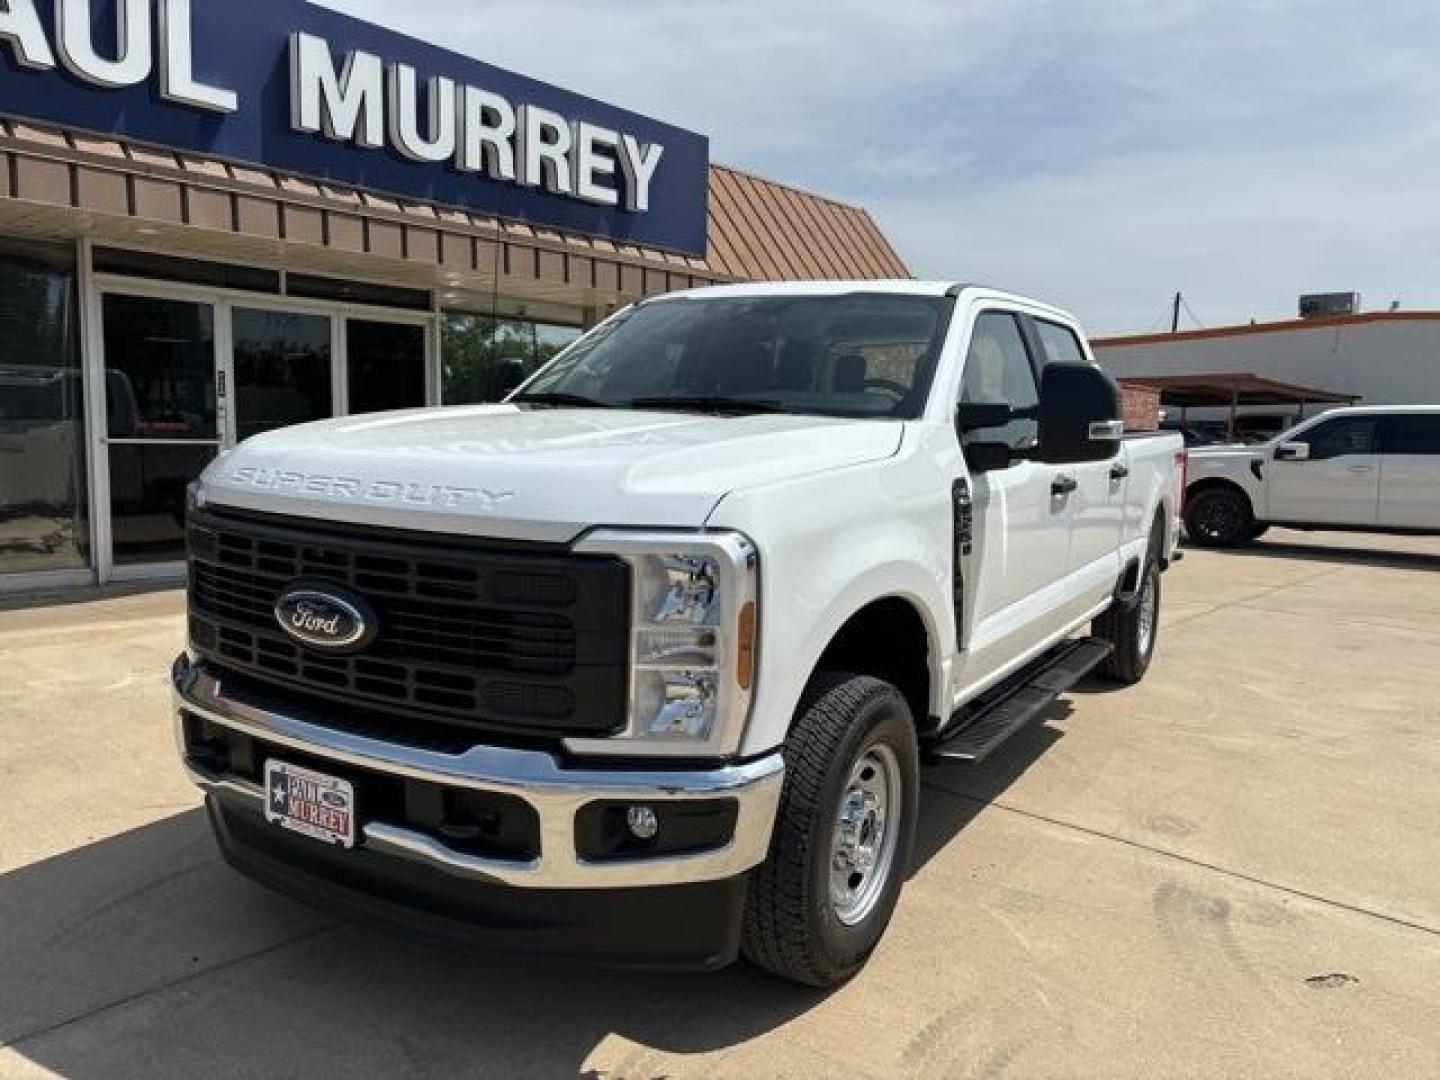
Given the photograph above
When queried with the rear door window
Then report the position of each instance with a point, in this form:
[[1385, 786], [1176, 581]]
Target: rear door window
[[1418, 434]]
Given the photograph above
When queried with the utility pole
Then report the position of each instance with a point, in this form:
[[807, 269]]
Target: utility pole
[[1175, 314]]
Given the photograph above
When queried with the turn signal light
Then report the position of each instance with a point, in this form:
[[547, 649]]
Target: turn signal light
[[745, 647]]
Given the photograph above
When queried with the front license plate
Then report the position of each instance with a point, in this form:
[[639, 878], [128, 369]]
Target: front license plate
[[319, 806]]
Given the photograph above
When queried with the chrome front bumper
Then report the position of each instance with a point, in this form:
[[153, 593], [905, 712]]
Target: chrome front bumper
[[555, 793]]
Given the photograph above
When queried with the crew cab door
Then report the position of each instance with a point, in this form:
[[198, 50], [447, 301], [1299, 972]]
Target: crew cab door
[[1021, 529], [1410, 471], [1336, 482], [1097, 501]]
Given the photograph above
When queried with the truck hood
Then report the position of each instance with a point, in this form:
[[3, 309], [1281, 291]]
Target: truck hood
[[547, 475]]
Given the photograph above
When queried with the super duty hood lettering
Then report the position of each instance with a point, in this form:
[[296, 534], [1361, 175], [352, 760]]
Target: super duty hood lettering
[[355, 489]]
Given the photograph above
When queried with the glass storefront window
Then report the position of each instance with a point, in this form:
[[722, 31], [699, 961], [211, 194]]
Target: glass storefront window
[[43, 492], [483, 359]]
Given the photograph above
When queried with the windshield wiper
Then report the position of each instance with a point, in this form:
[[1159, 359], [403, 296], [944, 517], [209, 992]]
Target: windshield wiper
[[560, 401], [715, 404]]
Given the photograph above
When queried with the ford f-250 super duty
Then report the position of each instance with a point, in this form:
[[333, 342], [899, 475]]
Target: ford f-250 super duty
[[641, 665], [1367, 469]]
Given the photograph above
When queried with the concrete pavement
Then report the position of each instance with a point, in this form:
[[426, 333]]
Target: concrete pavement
[[1227, 871]]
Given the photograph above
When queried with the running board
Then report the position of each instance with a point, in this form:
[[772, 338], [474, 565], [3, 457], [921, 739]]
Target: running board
[[1027, 696]]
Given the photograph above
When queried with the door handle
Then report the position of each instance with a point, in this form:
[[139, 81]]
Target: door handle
[[1119, 472], [1063, 485], [1359, 468]]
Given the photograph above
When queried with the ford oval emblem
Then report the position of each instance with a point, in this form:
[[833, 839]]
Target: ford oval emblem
[[325, 617]]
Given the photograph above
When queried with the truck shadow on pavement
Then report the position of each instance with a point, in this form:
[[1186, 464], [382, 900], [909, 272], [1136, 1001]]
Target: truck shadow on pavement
[[144, 955], [1344, 555]]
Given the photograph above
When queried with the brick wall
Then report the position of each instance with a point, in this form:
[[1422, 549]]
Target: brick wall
[[1142, 406]]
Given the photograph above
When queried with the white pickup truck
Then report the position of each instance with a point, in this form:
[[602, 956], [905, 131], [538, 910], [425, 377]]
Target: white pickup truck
[[1368, 469], [639, 665]]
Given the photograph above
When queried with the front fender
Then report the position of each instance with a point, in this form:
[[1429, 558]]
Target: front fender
[[829, 546], [1238, 470]]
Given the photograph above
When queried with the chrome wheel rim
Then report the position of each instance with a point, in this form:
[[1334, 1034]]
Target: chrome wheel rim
[[862, 849], [1149, 611]]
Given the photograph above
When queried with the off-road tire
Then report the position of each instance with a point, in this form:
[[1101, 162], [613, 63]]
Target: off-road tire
[[1219, 517], [790, 927]]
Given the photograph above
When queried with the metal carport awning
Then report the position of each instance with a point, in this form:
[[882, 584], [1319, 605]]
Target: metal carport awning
[[1234, 389]]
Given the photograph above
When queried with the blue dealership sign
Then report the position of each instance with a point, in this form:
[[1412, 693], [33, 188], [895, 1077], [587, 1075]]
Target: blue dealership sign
[[295, 87]]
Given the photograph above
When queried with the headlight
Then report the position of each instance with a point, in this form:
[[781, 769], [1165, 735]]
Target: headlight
[[692, 641]]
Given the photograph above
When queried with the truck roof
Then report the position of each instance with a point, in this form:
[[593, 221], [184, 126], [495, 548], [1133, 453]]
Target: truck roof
[[894, 286], [1378, 410]]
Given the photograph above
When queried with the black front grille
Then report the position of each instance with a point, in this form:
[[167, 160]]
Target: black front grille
[[522, 639]]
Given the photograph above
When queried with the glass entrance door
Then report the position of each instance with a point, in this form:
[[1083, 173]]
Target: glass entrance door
[[163, 419], [386, 365], [282, 369], [187, 374]]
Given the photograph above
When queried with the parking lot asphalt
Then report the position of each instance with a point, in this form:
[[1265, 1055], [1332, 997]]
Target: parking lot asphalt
[[1229, 870]]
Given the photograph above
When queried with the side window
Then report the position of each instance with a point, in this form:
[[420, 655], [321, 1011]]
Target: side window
[[1341, 437], [1061, 344], [1419, 434], [998, 371]]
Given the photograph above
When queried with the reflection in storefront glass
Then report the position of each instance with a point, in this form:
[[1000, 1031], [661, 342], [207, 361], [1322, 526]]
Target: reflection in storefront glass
[[484, 358], [147, 498], [42, 445], [160, 368]]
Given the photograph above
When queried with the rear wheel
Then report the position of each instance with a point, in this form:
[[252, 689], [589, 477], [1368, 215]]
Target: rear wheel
[[819, 904], [1219, 517], [1133, 629]]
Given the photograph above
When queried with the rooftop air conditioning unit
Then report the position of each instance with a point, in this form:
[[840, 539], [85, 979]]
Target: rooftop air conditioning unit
[[1329, 305]]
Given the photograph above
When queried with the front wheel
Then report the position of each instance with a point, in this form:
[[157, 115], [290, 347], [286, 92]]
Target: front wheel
[[819, 904], [1220, 517]]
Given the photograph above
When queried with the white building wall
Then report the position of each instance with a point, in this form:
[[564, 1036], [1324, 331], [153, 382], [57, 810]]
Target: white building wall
[[1384, 362]]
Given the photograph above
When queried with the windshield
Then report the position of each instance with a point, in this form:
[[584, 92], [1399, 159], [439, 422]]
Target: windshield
[[857, 354]]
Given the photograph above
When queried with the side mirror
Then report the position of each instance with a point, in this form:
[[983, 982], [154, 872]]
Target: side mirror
[[1080, 415], [1292, 451], [978, 415]]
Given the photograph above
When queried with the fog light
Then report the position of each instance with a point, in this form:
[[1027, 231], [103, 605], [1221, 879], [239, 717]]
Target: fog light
[[642, 822]]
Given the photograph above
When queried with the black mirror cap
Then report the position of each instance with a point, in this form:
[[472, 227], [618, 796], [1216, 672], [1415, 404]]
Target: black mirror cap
[[1080, 415], [983, 457], [978, 415]]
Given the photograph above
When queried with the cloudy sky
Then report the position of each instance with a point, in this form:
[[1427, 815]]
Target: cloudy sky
[[1101, 155]]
